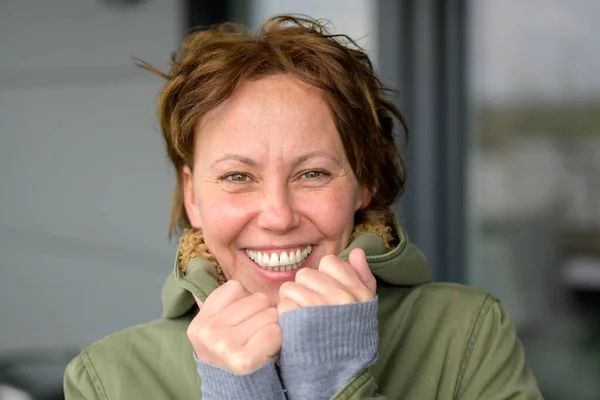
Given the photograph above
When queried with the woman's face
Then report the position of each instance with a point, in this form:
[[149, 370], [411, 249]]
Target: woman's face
[[271, 187]]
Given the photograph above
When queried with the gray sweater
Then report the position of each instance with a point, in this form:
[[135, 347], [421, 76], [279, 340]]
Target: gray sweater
[[323, 349]]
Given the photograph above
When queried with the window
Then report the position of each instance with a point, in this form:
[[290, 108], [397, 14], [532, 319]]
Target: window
[[534, 180]]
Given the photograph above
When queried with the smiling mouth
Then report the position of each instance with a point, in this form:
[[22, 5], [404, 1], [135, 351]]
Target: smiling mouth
[[284, 261]]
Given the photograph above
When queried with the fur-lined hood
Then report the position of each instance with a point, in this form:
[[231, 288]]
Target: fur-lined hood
[[393, 259]]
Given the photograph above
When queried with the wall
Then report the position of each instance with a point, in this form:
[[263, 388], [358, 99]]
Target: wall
[[84, 185]]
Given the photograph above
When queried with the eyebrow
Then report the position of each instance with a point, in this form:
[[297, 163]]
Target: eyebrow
[[236, 157], [315, 154], [298, 161]]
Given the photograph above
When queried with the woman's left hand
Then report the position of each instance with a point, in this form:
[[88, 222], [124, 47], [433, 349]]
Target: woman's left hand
[[336, 282]]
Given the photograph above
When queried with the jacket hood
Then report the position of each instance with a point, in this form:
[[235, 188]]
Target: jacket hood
[[405, 265]]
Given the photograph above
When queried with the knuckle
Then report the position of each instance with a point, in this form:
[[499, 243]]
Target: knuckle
[[327, 260], [342, 297], [286, 287], [219, 349], [361, 292], [207, 333], [192, 333], [229, 286], [275, 330], [358, 288], [365, 295], [329, 263], [303, 273], [235, 286], [285, 284], [284, 306], [240, 363], [232, 283], [224, 348], [261, 299], [272, 314], [194, 329], [329, 257]]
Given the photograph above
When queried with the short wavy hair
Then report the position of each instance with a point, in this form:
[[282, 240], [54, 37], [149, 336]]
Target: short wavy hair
[[212, 62]]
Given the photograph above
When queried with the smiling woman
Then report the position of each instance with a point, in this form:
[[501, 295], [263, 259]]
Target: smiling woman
[[293, 279], [286, 187]]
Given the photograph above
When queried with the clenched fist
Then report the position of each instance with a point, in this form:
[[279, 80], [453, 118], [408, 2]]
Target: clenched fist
[[235, 330], [335, 282]]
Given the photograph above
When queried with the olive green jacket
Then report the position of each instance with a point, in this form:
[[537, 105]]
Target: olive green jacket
[[437, 341]]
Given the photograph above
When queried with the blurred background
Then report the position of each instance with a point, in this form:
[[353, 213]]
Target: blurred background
[[503, 102]]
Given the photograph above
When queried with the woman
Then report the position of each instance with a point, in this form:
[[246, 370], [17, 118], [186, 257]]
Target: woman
[[293, 279]]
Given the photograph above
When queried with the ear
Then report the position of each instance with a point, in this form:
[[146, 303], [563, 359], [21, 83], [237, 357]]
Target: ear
[[364, 198], [189, 199]]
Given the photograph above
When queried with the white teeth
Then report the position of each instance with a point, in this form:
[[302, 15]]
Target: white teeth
[[281, 262], [284, 259]]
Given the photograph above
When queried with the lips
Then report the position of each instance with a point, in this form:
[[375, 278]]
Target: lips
[[279, 260]]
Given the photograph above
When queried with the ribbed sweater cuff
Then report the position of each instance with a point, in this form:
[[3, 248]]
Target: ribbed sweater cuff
[[325, 347], [221, 384]]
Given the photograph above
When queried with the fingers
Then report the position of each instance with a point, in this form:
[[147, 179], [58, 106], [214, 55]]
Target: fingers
[[230, 347], [264, 345], [250, 327], [223, 332], [334, 286], [300, 294], [222, 297], [225, 341], [334, 283], [267, 344], [233, 327], [358, 260], [348, 277], [245, 308], [286, 305], [240, 332]]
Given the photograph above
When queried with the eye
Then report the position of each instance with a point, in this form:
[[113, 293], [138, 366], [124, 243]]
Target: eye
[[238, 177], [314, 174]]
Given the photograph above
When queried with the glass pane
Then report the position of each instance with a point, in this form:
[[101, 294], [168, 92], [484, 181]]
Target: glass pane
[[534, 174]]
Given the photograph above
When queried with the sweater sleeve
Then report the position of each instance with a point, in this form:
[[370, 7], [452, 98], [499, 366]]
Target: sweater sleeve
[[494, 363], [327, 348], [220, 384]]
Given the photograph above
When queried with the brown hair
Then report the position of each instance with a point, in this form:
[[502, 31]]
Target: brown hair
[[212, 63]]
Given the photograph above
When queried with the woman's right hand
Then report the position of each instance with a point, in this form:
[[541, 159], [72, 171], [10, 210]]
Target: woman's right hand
[[235, 330]]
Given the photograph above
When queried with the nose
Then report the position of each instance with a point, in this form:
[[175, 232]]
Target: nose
[[278, 213]]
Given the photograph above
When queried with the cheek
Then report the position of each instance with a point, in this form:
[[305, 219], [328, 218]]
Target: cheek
[[331, 212], [223, 217]]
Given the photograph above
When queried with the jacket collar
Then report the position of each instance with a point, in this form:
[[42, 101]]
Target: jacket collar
[[405, 265]]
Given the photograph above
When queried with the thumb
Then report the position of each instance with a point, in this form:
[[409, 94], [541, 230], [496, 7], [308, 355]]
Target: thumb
[[198, 301], [358, 260]]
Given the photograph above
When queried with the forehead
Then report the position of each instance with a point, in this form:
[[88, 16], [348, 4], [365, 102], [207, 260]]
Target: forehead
[[275, 108]]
